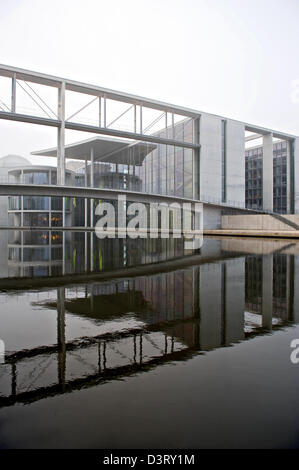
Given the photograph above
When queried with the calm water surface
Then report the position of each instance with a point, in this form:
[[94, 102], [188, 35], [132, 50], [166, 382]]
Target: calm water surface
[[140, 343]]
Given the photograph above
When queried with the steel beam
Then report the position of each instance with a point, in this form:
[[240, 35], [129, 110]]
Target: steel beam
[[128, 135], [71, 85], [79, 87], [27, 118]]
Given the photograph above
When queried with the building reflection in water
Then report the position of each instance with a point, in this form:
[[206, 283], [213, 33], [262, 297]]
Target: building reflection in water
[[151, 319], [50, 253]]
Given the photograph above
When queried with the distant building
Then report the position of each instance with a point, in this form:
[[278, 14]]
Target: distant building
[[32, 211], [254, 177]]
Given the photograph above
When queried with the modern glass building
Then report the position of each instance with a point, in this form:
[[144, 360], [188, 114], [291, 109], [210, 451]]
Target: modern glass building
[[38, 211], [146, 147], [254, 177], [156, 168]]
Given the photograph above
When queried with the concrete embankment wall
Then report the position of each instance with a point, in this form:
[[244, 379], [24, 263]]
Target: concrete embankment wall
[[257, 222]]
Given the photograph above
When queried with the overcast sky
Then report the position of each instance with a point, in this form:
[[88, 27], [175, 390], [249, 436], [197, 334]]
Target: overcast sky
[[236, 58]]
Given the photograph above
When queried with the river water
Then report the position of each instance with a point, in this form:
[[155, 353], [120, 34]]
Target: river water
[[121, 343]]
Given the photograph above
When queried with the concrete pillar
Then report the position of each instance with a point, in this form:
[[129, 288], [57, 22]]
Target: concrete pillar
[[235, 164], [289, 177], [210, 306], [268, 172], [85, 178], [92, 168], [267, 291], [234, 301], [196, 306], [210, 158], [296, 173], [61, 336], [91, 185], [196, 160], [13, 92], [61, 136]]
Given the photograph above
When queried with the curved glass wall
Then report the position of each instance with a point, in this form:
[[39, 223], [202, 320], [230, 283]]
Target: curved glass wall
[[158, 169], [36, 177], [14, 219], [56, 219], [37, 211], [36, 219], [56, 203], [36, 203], [14, 203], [254, 177], [146, 167]]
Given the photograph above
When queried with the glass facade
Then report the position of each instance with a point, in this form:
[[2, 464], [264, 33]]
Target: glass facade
[[56, 219], [146, 167], [36, 210], [36, 177], [34, 254], [167, 170], [280, 177], [14, 203], [14, 219], [36, 219], [254, 177], [36, 203], [254, 285], [56, 203], [149, 167]]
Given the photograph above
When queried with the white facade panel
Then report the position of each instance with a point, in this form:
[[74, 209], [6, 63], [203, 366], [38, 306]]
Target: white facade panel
[[235, 161], [210, 157]]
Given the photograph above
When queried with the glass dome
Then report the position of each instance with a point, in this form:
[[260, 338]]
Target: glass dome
[[11, 161]]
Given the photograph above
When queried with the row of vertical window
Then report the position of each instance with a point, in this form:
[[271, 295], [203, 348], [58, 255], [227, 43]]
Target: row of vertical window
[[35, 219]]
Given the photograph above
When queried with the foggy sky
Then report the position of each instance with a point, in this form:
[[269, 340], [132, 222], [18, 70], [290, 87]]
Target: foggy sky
[[234, 58]]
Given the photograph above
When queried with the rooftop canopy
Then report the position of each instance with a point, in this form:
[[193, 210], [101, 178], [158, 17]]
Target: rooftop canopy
[[105, 149]]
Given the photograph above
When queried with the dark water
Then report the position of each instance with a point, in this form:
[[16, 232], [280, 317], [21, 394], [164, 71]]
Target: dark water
[[141, 343]]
